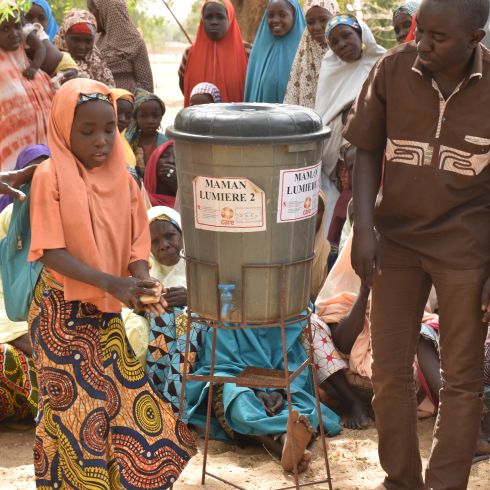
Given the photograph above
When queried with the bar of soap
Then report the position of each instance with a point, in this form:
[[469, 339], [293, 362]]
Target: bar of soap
[[147, 299]]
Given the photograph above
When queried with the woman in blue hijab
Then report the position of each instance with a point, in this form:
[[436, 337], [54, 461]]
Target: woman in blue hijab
[[273, 52], [41, 13]]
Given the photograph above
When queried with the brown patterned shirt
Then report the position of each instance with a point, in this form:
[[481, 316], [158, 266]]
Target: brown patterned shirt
[[436, 189]]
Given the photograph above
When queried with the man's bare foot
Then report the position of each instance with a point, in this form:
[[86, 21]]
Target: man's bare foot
[[299, 430], [357, 418]]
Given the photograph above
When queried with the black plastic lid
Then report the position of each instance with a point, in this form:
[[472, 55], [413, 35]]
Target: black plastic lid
[[245, 124]]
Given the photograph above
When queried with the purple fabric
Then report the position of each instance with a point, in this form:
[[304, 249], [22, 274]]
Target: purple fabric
[[26, 156]]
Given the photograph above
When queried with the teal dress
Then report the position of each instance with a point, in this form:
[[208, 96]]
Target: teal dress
[[242, 410], [271, 59]]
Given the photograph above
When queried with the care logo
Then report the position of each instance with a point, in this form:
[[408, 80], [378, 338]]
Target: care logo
[[227, 215]]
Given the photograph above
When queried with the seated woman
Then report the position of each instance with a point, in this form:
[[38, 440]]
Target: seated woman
[[403, 19], [259, 416], [77, 37], [342, 346], [218, 55], [161, 176], [18, 384], [273, 52], [142, 133], [159, 342], [205, 93]]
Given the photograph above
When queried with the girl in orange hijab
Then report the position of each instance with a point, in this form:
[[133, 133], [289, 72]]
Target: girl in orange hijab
[[98, 412], [218, 55]]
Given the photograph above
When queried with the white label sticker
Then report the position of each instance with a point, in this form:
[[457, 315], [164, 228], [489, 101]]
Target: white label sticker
[[228, 204], [298, 193]]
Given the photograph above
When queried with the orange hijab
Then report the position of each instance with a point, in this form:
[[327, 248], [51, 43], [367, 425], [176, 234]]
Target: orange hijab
[[222, 63], [97, 215]]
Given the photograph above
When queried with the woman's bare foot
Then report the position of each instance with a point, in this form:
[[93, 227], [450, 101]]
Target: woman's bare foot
[[357, 417], [299, 430]]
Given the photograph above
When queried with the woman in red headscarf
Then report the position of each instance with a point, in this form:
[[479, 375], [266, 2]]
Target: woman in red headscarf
[[218, 55]]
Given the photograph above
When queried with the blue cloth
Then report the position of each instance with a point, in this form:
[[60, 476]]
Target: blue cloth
[[244, 413], [52, 27], [271, 60], [344, 20]]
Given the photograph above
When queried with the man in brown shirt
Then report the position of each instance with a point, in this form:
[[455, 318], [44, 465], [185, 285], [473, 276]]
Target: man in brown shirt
[[426, 107]]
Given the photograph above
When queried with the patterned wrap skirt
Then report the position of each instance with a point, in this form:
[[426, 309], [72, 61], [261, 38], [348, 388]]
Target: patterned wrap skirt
[[18, 385], [101, 425]]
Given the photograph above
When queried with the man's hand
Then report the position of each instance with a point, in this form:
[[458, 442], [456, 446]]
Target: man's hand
[[485, 301], [11, 181], [364, 255]]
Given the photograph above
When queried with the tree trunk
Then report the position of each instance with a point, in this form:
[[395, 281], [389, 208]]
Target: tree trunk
[[249, 14]]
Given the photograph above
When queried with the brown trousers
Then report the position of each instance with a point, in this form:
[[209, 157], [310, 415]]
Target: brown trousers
[[400, 294]]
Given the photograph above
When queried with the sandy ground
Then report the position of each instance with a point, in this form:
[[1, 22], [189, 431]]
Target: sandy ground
[[353, 455], [353, 461]]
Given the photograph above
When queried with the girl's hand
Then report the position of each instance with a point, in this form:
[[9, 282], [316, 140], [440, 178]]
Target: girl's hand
[[129, 289], [176, 297], [485, 301]]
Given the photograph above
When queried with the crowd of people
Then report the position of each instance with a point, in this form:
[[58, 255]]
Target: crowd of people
[[93, 294]]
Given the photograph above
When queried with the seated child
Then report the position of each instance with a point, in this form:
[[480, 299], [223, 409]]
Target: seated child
[[142, 134], [46, 56], [161, 176]]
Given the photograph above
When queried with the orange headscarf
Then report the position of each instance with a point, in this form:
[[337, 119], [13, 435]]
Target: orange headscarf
[[96, 215], [222, 63]]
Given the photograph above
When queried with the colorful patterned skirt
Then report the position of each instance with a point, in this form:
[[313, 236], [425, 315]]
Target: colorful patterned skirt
[[165, 360], [100, 425], [18, 385]]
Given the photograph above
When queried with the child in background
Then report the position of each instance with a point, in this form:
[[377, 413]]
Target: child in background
[[273, 52], [125, 108], [218, 55], [96, 403], [303, 81], [142, 134], [41, 13], [161, 176], [46, 56], [205, 93], [77, 37]]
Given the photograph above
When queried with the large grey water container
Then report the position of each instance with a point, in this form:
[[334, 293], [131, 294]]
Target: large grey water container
[[249, 177]]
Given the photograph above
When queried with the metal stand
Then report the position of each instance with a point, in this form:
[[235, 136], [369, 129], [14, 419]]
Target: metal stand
[[254, 377]]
